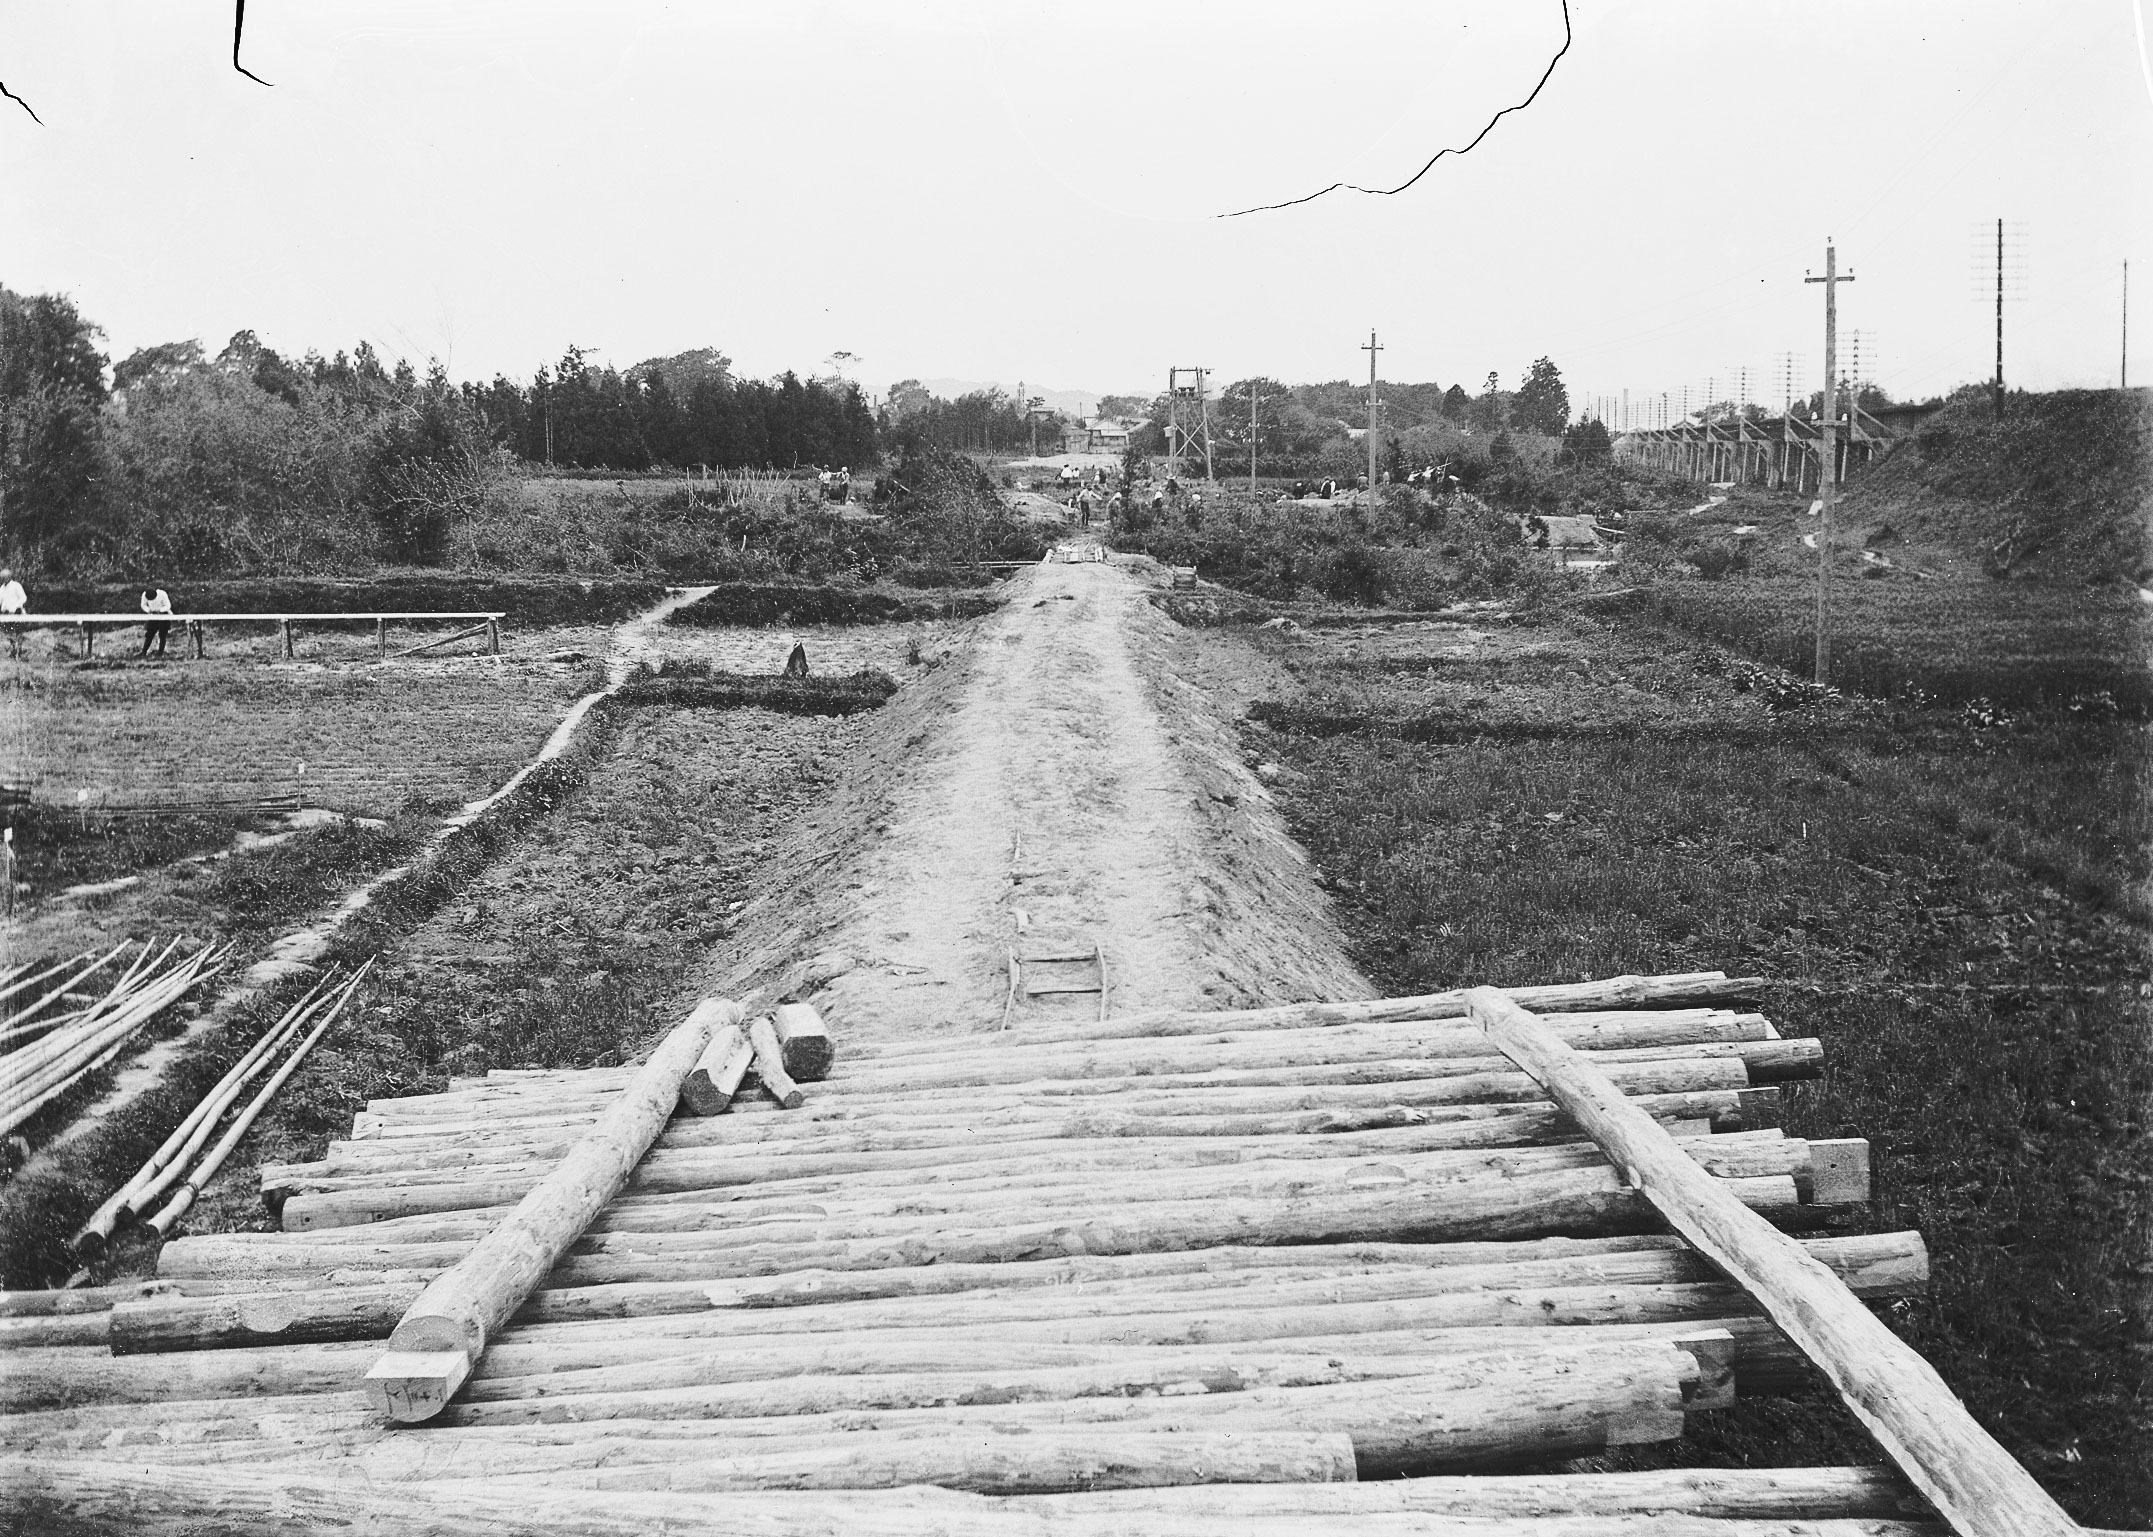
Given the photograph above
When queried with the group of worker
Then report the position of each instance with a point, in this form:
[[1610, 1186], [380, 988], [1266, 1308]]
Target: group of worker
[[15, 602], [836, 484]]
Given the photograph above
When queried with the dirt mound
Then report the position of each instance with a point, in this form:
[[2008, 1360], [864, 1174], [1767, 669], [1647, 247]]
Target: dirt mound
[[2060, 490]]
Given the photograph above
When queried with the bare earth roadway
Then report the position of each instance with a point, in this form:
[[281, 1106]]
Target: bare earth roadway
[[1057, 767]]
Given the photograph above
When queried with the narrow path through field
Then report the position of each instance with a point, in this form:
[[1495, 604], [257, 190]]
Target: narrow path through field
[[1064, 773]]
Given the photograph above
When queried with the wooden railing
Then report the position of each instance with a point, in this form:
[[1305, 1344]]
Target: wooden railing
[[87, 625]]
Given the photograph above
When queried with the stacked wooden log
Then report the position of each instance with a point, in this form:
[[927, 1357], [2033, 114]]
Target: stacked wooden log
[[1294, 1247]]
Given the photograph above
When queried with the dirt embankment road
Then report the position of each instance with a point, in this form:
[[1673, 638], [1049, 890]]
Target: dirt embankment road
[[1056, 776]]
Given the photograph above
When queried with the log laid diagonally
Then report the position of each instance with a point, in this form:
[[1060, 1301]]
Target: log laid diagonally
[[1977, 1486], [440, 1337]]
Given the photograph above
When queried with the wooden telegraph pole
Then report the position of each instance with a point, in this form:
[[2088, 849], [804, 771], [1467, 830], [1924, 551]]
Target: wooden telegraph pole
[[1371, 349], [1828, 446], [1999, 320], [1252, 435]]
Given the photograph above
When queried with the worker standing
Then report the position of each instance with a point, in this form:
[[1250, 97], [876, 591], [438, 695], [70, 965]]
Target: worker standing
[[158, 604], [13, 600]]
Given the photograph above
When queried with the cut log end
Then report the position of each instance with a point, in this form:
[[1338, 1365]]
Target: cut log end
[[770, 1066], [1839, 1172], [805, 1039], [714, 1080], [411, 1386]]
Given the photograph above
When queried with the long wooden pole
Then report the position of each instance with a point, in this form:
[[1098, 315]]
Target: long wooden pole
[[1892, 1390], [440, 1338], [1890, 1264], [167, 1163], [79, 1495]]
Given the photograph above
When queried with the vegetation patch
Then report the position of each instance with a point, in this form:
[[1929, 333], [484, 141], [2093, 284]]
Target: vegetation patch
[[56, 848], [761, 605], [2075, 650], [696, 685], [2059, 489], [1955, 905]]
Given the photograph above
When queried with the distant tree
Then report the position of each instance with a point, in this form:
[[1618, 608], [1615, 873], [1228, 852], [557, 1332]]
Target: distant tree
[[1488, 409], [52, 382], [683, 371], [147, 363], [1542, 404], [1123, 405], [908, 398], [1394, 465], [240, 354], [1502, 450], [1588, 440], [1457, 405]]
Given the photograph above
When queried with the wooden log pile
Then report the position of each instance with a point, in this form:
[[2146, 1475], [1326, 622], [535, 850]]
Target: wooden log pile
[[1086, 1278]]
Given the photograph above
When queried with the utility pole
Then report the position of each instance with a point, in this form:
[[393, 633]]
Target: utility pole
[[2123, 380], [1252, 435], [1999, 320], [1828, 447], [1371, 349]]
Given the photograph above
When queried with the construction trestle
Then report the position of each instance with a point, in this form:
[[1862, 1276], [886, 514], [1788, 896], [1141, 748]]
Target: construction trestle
[[1084, 1276], [1781, 452]]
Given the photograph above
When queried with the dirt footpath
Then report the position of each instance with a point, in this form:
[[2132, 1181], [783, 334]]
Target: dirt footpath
[[1057, 774]]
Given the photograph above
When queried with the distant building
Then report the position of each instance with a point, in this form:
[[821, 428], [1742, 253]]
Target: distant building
[[1103, 435]]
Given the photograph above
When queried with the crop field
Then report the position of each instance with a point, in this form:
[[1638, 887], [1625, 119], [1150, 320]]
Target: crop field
[[1956, 904], [371, 738]]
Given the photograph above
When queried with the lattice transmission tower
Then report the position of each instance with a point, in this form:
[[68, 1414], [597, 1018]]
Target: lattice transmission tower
[[1188, 420]]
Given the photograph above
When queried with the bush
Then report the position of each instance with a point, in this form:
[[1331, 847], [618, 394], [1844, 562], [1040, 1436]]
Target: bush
[[1715, 558]]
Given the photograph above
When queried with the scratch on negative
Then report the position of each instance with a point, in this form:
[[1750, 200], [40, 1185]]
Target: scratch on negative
[[11, 96], [1340, 186], [239, 27]]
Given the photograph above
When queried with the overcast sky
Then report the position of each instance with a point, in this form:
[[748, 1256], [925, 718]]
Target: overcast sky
[[1029, 191]]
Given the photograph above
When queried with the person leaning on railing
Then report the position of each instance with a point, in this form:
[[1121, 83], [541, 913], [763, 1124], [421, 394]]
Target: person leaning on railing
[[156, 602], [13, 600]]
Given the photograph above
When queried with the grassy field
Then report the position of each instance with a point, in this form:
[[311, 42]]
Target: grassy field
[[1959, 910], [371, 738]]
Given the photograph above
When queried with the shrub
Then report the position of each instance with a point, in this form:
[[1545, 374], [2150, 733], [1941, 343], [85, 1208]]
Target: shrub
[[1715, 558]]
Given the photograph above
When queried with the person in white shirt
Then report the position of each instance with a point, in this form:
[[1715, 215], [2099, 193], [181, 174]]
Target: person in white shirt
[[156, 602], [13, 600]]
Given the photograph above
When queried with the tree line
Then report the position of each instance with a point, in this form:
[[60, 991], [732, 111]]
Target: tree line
[[249, 458], [1309, 428]]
